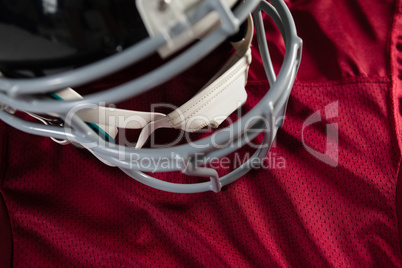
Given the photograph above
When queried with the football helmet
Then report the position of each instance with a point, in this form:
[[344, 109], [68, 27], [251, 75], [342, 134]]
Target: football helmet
[[51, 47]]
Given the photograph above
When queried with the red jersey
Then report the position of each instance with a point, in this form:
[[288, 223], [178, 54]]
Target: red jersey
[[60, 206]]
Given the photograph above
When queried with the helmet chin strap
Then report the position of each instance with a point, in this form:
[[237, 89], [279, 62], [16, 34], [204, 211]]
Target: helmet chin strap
[[221, 96]]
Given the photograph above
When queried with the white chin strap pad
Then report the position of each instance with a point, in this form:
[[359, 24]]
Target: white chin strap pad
[[221, 96]]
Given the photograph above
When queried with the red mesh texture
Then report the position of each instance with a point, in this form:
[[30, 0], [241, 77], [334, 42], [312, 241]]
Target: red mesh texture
[[66, 208]]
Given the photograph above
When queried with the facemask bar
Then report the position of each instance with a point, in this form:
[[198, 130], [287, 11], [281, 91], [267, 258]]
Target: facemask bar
[[85, 74], [52, 83], [272, 106]]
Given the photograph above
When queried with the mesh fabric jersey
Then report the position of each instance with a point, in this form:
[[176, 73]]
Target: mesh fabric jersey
[[60, 206]]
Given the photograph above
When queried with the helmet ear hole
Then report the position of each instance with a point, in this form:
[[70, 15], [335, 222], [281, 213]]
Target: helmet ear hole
[[240, 34]]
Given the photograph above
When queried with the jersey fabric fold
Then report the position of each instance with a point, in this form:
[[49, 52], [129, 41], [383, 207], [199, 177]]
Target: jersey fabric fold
[[329, 193]]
